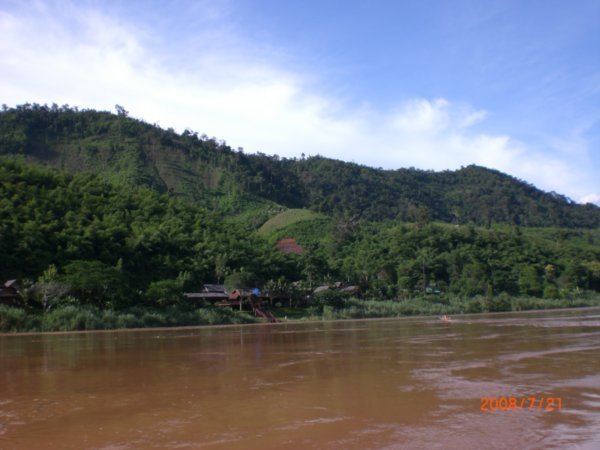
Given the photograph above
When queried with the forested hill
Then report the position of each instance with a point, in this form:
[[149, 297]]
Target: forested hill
[[208, 172]]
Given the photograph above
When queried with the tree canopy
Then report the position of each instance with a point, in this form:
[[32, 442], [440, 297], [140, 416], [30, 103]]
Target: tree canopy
[[211, 174]]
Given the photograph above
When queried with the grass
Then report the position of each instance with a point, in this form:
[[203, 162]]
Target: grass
[[287, 218], [79, 318], [249, 211], [75, 318], [353, 308]]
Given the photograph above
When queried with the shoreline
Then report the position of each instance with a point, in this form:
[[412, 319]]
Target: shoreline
[[287, 322]]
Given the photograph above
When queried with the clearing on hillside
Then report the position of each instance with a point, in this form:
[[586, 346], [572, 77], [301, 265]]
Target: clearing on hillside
[[286, 218]]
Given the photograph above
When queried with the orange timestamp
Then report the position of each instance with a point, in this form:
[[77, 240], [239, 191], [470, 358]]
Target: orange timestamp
[[521, 403]]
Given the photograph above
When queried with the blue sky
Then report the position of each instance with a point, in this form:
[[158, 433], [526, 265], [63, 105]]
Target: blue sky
[[511, 85]]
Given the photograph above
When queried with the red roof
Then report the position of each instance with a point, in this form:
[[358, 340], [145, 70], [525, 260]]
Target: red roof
[[289, 246]]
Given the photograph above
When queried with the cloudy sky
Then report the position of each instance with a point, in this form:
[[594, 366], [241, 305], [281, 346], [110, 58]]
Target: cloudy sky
[[433, 84]]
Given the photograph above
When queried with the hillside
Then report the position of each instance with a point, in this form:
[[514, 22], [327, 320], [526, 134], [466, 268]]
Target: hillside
[[91, 253], [211, 174], [106, 239]]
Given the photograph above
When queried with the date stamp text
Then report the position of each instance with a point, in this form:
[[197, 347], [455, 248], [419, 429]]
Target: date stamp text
[[521, 403]]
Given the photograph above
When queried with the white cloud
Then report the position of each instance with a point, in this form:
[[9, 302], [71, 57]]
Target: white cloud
[[422, 116], [590, 198], [432, 117], [224, 89]]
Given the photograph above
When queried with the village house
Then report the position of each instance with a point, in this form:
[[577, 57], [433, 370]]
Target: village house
[[289, 246], [210, 292], [218, 294], [9, 294]]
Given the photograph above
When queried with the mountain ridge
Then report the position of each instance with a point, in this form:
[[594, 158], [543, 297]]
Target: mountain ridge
[[209, 173]]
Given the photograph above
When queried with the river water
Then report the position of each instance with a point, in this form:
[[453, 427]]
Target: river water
[[371, 384]]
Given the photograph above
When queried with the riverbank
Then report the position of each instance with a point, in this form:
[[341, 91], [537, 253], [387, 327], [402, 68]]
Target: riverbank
[[81, 318]]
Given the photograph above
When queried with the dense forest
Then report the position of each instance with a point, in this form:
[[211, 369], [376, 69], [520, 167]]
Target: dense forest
[[105, 216], [211, 174], [106, 238]]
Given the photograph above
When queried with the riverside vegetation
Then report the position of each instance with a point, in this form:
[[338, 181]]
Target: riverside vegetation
[[107, 220]]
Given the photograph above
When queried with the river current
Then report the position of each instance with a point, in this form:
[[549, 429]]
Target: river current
[[516, 380]]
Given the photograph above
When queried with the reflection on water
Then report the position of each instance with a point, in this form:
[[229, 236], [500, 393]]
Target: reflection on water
[[403, 383]]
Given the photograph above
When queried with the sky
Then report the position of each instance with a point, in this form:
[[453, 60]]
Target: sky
[[431, 84]]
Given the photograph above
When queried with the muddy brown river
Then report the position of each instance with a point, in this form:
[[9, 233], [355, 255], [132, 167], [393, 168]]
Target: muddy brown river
[[520, 380]]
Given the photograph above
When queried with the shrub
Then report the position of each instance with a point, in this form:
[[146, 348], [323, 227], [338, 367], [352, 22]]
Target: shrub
[[165, 292], [72, 318], [153, 319], [13, 319], [499, 303], [334, 299], [128, 320], [217, 316], [551, 291]]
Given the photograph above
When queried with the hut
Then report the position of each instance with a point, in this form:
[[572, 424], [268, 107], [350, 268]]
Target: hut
[[217, 293], [236, 297], [289, 245], [251, 297], [210, 292], [9, 294], [349, 290], [320, 289]]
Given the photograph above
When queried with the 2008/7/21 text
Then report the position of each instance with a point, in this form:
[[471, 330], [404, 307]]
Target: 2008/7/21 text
[[521, 403]]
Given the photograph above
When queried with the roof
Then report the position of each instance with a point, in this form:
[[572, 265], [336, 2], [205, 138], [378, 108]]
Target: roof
[[205, 295], [9, 290], [214, 288], [349, 289], [6, 293], [289, 246], [9, 293]]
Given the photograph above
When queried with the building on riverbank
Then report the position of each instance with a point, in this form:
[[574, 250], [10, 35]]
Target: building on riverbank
[[209, 292], [9, 293]]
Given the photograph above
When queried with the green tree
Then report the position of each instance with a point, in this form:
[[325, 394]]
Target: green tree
[[49, 289], [164, 292], [240, 280], [100, 283], [529, 281]]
